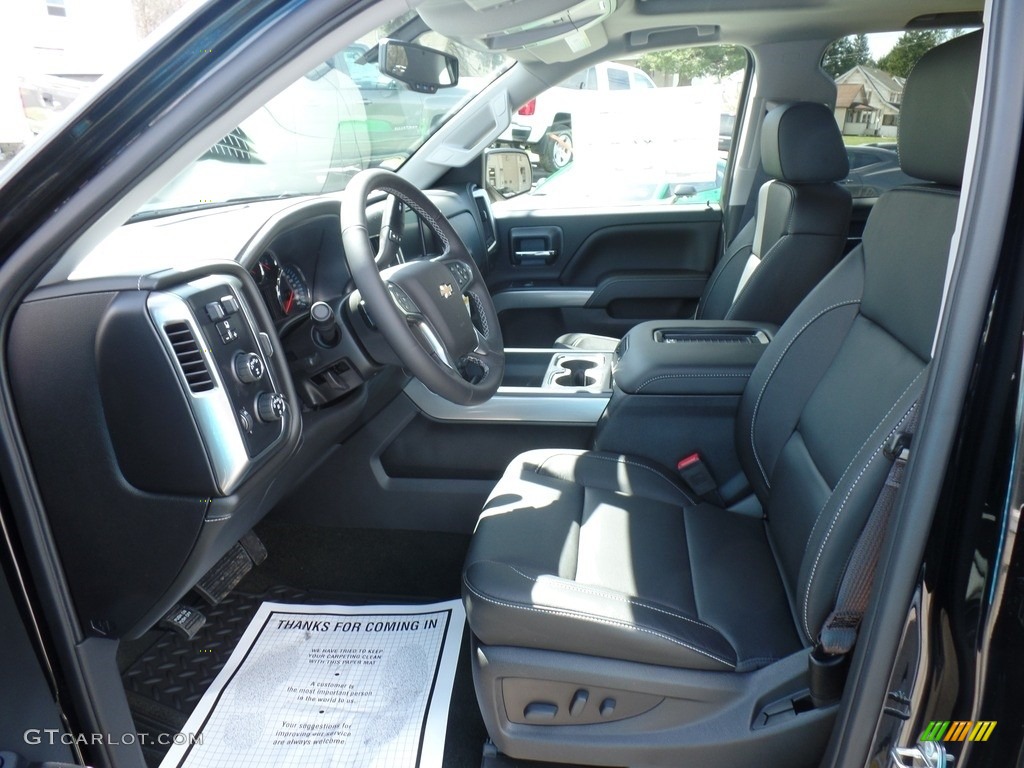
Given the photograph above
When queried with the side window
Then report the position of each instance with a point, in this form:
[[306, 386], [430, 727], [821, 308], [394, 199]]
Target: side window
[[640, 80], [870, 71], [618, 79], [656, 130]]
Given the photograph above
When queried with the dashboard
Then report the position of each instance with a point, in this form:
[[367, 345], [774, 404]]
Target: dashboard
[[169, 410]]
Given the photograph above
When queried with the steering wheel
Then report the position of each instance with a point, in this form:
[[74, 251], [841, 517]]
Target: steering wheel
[[436, 314]]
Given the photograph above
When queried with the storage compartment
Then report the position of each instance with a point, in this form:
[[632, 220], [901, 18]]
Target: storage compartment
[[689, 357]]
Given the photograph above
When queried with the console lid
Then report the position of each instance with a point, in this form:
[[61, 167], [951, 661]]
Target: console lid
[[689, 357]]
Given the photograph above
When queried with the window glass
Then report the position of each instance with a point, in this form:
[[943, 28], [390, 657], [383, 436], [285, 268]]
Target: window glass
[[341, 117], [656, 130], [640, 80], [618, 79]]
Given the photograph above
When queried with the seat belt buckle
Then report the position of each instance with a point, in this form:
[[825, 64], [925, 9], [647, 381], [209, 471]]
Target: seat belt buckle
[[898, 447], [696, 476], [826, 675]]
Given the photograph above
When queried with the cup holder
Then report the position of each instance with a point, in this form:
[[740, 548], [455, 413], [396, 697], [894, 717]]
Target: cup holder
[[576, 372], [579, 374]]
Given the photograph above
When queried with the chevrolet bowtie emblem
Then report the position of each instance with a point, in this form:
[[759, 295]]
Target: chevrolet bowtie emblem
[[446, 290]]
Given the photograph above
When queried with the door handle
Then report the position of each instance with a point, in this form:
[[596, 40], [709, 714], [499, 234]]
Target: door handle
[[534, 258]]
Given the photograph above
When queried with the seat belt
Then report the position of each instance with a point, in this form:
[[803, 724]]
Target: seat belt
[[839, 632]]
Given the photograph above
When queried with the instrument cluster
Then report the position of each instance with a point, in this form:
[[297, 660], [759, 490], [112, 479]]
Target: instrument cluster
[[282, 285]]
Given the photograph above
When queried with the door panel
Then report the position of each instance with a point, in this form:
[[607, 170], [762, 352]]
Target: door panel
[[598, 270]]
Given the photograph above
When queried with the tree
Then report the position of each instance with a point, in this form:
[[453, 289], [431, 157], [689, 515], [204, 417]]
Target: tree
[[150, 14], [688, 63], [845, 54], [908, 49]]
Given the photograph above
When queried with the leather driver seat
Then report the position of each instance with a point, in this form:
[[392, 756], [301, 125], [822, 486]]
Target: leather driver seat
[[616, 620], [796, 236]]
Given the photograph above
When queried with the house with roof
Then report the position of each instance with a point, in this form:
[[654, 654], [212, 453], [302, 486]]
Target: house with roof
[[868, 102]]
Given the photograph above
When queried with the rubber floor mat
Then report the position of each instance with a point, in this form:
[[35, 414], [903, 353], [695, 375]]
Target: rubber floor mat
[[165, 674], [339, 684]]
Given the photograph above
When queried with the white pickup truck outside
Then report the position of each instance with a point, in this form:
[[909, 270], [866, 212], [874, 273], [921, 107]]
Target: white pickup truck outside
[[544, 124]]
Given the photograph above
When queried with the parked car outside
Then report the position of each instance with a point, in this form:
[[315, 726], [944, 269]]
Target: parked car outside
[[544, 124], [576, 185]]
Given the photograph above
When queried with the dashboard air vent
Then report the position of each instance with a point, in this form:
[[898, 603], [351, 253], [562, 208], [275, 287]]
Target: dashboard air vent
[[186, 350]]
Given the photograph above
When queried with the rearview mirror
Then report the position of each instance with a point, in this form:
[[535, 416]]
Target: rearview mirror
[[508, 171], [423, 69]]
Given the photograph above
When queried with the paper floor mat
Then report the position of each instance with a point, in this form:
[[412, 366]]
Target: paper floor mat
[[316, 685]]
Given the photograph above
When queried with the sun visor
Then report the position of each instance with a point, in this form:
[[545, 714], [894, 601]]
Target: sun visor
[[500, 25]]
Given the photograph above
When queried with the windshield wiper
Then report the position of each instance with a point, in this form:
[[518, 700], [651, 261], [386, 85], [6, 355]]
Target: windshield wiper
[[157, 213]]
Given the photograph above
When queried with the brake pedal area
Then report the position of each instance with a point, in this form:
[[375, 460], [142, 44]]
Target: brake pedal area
[[231, 569], [183, 620]]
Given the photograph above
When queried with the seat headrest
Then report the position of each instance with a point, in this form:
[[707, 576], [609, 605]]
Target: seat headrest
[[935, 117], [801, 144]]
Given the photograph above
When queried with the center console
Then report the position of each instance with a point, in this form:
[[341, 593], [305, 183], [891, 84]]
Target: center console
[[676, 389], [541, 386]]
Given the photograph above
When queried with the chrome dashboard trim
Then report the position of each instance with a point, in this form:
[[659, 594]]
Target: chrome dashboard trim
[[213, 410], [524, 405]]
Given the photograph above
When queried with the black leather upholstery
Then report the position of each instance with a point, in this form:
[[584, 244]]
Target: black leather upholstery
[[801, 144], [646, 365], [933, 144], [599, 555], [796, 236], [591, 550]]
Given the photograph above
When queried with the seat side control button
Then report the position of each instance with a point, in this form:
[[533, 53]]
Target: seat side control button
[[540, 710], [578, 703], [607, 707]]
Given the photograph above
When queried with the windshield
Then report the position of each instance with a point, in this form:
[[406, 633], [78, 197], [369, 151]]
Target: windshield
[[341, 117]]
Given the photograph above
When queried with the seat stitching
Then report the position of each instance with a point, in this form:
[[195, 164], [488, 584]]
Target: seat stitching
[[760, 660], [653, 379], [716, 277], [787, 231], [621, 460], [760, 265], [598, 620], [576, 587], [782, 355], [835, 519], [856, 454]]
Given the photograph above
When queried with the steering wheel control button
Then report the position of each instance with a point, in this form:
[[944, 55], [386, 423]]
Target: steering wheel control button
[[460, 272], [246, 421], [215, 311], [402, 299], [579, 702], [270, 406], [539, 711], [248, 367], [230, 304]]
